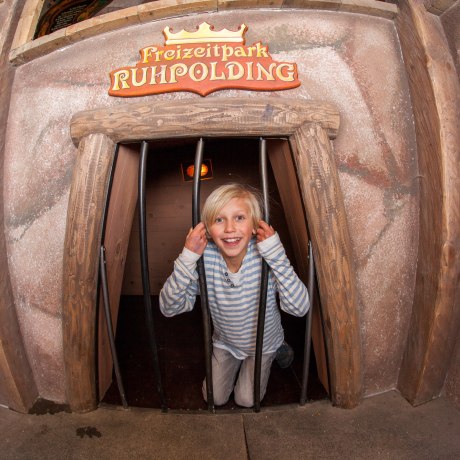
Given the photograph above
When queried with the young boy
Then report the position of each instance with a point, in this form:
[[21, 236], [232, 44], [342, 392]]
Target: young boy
[[233, 240]]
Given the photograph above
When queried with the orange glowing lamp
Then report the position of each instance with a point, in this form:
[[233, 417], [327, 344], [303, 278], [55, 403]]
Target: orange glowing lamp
[[191, 170], [188, 169]]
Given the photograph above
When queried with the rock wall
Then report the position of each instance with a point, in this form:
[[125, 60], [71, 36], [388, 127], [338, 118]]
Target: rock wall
[[351, 60]]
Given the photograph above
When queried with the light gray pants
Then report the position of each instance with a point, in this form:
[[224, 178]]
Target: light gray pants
[[224, 373]]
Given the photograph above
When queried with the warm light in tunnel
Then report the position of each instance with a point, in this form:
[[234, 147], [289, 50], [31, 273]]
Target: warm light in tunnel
[[188, 169], [191, 170]]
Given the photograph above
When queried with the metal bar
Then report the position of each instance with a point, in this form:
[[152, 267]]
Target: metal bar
[[108, 319], [145, 274], [264, 279], [307, 345], [109, 192], [196, 218]]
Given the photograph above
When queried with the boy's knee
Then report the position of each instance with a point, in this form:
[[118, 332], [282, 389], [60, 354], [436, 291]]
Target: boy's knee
[[220, 397], [244, 399]]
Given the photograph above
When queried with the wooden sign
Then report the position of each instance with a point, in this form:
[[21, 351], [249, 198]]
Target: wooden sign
[[202, 62]]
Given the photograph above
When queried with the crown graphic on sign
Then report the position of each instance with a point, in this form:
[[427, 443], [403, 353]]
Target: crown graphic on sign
[[205, 34]]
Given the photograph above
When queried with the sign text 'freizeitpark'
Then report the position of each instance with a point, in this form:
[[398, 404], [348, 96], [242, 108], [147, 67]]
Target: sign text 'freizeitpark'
[[202, 62]]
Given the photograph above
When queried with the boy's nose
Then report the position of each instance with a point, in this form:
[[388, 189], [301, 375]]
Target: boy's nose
[[229, 226]]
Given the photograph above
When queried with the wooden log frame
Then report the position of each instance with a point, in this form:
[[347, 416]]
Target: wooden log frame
[[435, 91], [309, 126], [85, 215]]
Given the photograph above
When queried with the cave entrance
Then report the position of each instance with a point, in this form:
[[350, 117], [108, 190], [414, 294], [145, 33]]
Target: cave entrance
[[309, 127], [180, 339]]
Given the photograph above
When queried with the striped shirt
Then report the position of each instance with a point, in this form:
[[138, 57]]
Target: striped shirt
[[234, 297]]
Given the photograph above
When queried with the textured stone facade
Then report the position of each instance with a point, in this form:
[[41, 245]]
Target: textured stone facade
[[350, 60]]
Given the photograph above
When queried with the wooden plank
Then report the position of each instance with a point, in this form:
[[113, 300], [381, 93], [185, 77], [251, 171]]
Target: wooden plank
[[153, 11], [370, 8], [30, 50], [120, 214], [237, 4], [326, 216], [197, 117], [280, 157], [27, 23], [81, 267], [435, 92]]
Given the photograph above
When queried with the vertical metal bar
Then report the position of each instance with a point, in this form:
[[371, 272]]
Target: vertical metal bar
[[307, 345], [145, 274], [264, 279], [196, 218], [108, 318]]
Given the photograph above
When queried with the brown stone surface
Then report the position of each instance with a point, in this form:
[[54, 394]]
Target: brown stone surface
[[352, 61]]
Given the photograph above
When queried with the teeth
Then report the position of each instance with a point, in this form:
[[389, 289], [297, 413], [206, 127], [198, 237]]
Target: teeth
[[231, 240]]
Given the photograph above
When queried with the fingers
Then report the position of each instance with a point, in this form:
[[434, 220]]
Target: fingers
[[264, 231], [196, 240]]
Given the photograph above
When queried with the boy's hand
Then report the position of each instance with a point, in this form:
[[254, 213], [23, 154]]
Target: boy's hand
[[264, 231], [196, 240]]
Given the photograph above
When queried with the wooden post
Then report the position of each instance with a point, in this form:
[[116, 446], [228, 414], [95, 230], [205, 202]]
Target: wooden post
[[81, 266], [435, 91], [330, 237]]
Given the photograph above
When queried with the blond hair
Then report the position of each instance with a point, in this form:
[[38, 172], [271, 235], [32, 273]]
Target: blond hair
[[223, 194]]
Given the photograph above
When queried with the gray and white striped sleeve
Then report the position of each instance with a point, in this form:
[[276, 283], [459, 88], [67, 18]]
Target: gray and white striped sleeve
[[180, 289], [293, 294]]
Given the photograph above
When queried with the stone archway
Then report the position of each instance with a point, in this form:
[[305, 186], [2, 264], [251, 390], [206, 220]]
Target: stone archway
[[309, 126]]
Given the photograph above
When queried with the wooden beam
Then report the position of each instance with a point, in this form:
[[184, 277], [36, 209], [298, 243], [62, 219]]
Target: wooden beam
[[260, 116], [326, 216], [81, 266], [435, 92]]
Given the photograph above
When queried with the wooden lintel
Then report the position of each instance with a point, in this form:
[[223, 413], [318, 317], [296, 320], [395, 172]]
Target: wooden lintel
[[212, 117]]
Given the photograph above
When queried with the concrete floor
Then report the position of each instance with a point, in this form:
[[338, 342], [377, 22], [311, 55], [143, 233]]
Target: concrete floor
[[382, 427]]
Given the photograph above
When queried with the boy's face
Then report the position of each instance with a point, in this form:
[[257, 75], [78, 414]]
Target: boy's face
[[232, 231]]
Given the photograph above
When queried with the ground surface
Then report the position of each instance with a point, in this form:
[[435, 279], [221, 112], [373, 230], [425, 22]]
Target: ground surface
[[382, 427]]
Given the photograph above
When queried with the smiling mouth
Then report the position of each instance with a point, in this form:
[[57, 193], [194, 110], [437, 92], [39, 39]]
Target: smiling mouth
[[231, 240]]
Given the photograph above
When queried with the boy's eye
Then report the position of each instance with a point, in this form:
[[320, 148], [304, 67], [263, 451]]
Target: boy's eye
[[240, 218], [218, 220]]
